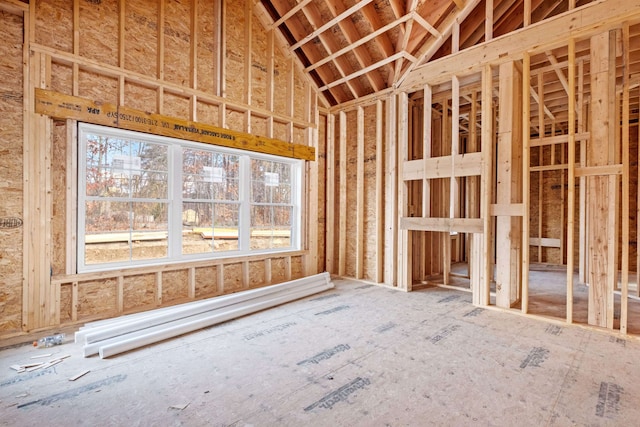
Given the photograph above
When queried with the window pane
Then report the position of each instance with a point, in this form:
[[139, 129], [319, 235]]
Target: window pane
[[270, 182], [209, 175], [149, 233], [208, 227], [124, 231]]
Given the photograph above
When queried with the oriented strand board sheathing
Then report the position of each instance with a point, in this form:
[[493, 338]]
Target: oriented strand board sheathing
[[174, 285], [235, 54], [54, 24], [256, 274], [177, 39], [98, 31], [258, 64], [280, 131], [59, 187], [176, 106], [65, 303], [233, 277], [141, 38], [97, 87], [139, 291], [281, 73], [97, 298], [206, 48], [235, 120], [351, 177], [11, 160], [206, 285], [208, 114], [278, 270], [297, 268], [259, 126], [61, 78], [140, 97]]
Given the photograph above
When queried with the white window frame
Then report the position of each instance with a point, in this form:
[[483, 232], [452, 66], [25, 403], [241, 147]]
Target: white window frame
[[175, 200]]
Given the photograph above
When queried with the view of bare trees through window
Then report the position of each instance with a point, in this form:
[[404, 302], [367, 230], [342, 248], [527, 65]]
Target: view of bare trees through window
[[129, 200], [126, 201]]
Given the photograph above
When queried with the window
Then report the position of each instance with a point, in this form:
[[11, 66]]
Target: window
[[145, 199]]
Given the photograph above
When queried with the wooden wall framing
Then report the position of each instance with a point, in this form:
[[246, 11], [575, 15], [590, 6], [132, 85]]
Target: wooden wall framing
[[144, 56]]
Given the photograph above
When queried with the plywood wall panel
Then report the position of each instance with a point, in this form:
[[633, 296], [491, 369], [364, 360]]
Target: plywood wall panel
[[206, 283], [208, 113], [140, 97], [139, 291], [98, 31], [97, 298], [54, 24], [61, 78], [280, 131], [177, 39], [278, 270], [256, 274], [233, 277], [174, 285], [352, 193], [59, 186], [235, 120], [259, 78], [97, 87], [235, 54], [206, 48], [281, 72], [176, 106], [65, 303], [141, 37], [11, 158], [297, 268]]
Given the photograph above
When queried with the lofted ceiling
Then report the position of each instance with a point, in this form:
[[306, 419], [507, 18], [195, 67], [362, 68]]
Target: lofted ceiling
[[353, 48]]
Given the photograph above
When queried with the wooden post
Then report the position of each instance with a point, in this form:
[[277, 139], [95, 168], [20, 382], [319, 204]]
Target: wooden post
[[342, 236], [330, 195], [481, 293], [571, 197], [379, 275], [391, 195], [404, 236], [360, 193], [624, 299], [526, 133], [509, 186], [601, 213]]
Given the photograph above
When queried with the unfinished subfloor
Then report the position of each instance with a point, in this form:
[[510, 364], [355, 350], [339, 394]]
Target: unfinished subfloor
[[355, 355]]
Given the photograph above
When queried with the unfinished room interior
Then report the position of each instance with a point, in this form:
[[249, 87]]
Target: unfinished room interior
[[319, 212]]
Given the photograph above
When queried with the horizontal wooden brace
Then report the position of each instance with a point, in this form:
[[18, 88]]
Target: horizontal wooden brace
[[460, 225], [546, 242], [440, 167], [599, 170], [503, 209], [545, 168], [558, 139], [61, 106]]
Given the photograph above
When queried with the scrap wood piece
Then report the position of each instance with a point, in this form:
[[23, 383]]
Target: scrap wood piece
[[81, 374], [180, 406]]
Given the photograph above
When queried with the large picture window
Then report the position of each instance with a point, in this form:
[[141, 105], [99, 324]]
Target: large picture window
[[145, 199]]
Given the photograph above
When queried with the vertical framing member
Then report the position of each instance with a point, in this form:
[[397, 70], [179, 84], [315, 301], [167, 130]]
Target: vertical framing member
[[526, 134], [571, 197], [404, 236]]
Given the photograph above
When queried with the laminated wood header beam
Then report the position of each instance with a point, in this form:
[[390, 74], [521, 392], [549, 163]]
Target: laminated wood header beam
[[61, 106]]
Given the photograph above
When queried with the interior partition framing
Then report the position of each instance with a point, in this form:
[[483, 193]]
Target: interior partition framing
[[566, 108]]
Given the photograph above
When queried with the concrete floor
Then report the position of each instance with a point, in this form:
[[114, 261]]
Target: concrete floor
[[358, 355]]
